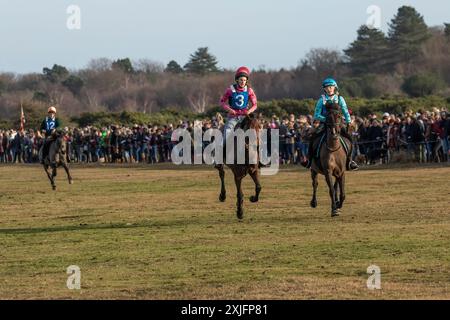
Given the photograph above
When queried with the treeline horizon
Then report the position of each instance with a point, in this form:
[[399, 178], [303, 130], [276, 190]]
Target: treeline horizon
[[412, 60]]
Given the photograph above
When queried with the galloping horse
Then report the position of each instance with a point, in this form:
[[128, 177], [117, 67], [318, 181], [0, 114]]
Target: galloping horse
[[332, 160], [241, 170], [56, 157]]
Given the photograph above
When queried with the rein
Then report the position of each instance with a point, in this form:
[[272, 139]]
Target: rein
[[334, 124]]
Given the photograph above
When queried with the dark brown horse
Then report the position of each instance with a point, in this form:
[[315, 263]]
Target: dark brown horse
[[331, 161], [241, 170], [56, 157]]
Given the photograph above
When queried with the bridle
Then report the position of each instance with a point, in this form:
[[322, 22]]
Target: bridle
[[333, 127]]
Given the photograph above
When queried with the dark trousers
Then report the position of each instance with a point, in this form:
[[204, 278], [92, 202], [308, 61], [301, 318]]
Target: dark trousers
[[46, 146]]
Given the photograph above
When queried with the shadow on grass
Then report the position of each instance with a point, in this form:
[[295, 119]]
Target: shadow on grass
[[82, 227], [252, 219]]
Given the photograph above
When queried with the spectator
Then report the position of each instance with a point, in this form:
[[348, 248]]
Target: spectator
[[418, 138], [445, 126]]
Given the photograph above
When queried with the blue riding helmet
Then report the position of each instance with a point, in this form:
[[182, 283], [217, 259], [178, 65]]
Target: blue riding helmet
[[329, 82]]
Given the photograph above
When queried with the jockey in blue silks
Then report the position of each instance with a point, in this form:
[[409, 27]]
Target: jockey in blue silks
[[49, 125], [330, 95]]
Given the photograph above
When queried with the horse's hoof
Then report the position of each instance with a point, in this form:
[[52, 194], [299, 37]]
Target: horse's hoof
[[240, 214], [70, 181], [338, 205], [54, 187], [313, 203], [253, 199], [222, 197], [335, 213]]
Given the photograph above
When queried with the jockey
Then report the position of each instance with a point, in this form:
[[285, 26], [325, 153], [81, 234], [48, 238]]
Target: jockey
[[48, 126], [236, 101], [331, 95]]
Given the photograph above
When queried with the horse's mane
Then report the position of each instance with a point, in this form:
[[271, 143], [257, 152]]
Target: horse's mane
[[249, 122], [333, 107], [59, 139], [334, 113]]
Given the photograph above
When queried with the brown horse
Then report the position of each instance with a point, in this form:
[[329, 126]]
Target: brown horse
[[241, 170], [56, 157], [332, 160]]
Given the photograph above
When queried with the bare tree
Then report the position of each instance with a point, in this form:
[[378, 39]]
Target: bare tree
[[148, 66], [198, 101], [324, 61], [99, 64]]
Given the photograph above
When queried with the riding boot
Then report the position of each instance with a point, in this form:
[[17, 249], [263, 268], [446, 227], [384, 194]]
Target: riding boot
[[41, 155], [307, 164], [44, 151], [350, 164]]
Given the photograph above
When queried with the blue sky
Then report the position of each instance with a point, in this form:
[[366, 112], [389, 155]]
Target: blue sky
[[273, 34]]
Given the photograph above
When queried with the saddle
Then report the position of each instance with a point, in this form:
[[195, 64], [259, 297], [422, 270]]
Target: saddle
[[45, 149], [321, 138], [241, 124]]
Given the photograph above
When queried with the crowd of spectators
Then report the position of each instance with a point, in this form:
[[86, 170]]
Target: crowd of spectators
[[422, 137]]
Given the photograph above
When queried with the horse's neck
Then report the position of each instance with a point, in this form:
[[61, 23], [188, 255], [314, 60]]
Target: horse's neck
[[57, 144], [333, 143]]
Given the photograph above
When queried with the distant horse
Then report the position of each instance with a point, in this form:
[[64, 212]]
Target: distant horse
[[56, 157], [332, 160], [241, 170]]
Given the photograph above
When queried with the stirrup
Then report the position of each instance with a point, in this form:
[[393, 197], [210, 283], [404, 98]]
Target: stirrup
[[306, 164], [261, 165], [353, 166]]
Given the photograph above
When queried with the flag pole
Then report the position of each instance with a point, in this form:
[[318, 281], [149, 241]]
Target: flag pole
[[22, 117]]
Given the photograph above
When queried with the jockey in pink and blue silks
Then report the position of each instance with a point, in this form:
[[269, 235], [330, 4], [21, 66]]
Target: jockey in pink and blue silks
[[239, 100], [330, 95]]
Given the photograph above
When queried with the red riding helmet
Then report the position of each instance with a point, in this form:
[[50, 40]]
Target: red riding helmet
[[242, 72]]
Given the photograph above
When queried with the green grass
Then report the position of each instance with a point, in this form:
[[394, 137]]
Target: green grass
[[154, 232]]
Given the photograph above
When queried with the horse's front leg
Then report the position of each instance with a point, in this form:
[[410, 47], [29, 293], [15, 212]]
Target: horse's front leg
[[255, 176], [223, 193], [240, 196], [50, 177], [66, 167], [342, 190], [336, 193], [315, 183], [329, 179]]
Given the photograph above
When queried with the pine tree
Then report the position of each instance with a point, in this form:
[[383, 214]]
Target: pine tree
[[368, 52], [56, 73], [447, 30], [407, 32], [173, 67], [201, 62], [124, 64]]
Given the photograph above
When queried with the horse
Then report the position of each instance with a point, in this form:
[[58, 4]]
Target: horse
[[56, 157], [240, 171], [331, 161]]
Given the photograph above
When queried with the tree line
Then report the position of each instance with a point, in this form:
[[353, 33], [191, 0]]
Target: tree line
[[411, 60]]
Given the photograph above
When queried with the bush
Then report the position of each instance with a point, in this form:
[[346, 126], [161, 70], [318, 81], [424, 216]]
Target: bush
[[422, 85], [104, 119], [365, 86]]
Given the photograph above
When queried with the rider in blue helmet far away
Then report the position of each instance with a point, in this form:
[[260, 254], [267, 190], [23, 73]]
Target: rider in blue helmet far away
[[330, 95]]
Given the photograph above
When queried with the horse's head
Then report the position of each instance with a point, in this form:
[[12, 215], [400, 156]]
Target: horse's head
[[333, 119], [60, 141]]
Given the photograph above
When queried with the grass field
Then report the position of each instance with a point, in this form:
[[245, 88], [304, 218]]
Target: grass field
[[158, 233]]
